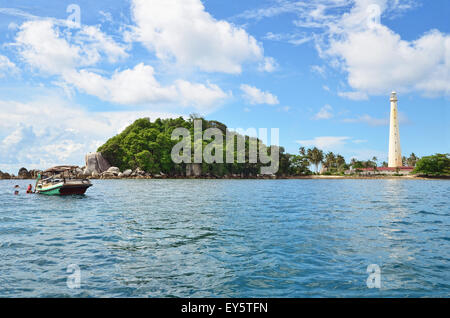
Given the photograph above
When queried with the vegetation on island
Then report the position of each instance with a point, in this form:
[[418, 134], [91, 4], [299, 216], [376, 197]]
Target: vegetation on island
[[436, 165], [147, 145]]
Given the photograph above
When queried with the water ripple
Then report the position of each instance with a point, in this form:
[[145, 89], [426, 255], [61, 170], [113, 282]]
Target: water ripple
[[230, 238]]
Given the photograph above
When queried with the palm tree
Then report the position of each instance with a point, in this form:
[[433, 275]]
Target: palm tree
[[375, 164], [411, 161], [340, 160], [330, 160], [315, 156], [302, 151]]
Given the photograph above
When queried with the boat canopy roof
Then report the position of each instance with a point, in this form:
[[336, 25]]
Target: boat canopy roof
[[58, 169]]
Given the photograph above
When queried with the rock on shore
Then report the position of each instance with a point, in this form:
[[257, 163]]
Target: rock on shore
[[5, 176], [95, 164], [23, 174]]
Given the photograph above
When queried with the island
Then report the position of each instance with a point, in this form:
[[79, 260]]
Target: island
[[143, 150]]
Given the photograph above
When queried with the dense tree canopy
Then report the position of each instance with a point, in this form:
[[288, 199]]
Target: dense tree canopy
[[148, 145], [438, 165]]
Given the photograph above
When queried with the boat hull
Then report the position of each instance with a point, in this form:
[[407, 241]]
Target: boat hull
[[65, 188], [69, 190]]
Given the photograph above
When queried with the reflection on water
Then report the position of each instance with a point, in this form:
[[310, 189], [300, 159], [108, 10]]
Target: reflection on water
[[232, 238]]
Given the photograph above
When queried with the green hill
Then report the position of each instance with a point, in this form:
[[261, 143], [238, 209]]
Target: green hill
[[147, 145]]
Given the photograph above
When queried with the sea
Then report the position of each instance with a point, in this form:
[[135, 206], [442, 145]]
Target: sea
[[228, 238]]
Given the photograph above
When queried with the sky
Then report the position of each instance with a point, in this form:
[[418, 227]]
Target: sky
[[75, 73]]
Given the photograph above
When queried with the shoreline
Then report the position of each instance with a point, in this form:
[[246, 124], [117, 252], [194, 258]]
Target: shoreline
[[309, 177]]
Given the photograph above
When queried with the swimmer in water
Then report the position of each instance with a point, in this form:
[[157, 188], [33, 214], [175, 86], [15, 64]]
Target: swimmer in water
[[30, 189]]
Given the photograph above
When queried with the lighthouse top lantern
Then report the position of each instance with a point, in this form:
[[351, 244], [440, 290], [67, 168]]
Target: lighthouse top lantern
[[393, 96]]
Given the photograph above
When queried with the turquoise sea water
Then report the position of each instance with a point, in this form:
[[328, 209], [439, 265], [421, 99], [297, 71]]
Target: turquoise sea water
[[228, 238]]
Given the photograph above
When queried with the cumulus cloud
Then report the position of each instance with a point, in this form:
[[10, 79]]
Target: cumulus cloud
[[376, 60], [185, 32], [324, 113], [295, 39], [256, 96], [318, 70], [368, 120], [372, 121], [28, 138], [200, 95], [138, 86], [6, 66], [268, 65], [54, 51], [131, 86], [51, 50], [325, 142], [354, 95]]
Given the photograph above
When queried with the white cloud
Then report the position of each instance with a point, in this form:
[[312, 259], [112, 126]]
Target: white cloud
[[325, 142], [375, 59], [41, 47], [6, 66], [268, 65], [294, 38], [200, 95], [324, 113], [256, 96], [138, 86], [359, 141], [106, 16], [13, 26], [403, 119], [52, 50], [368, 120], [131, 86], [184, 31], [378, 61], [56, 51], [354, 95], [28, 138], [318, 69], [94, 39]]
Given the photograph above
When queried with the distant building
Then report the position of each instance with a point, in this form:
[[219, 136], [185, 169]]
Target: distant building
[[395, 152], [386, 170], [395, 165]]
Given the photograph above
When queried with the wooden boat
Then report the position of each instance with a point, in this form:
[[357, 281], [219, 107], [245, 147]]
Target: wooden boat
[[58, 181]]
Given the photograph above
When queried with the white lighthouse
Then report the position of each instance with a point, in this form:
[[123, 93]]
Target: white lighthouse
[[395, 152]]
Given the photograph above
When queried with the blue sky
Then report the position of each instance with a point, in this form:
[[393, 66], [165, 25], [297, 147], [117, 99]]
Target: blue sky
[[320, 71]]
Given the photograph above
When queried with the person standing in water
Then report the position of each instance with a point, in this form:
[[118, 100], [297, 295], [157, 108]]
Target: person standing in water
[[16, 191], [30, 189]]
